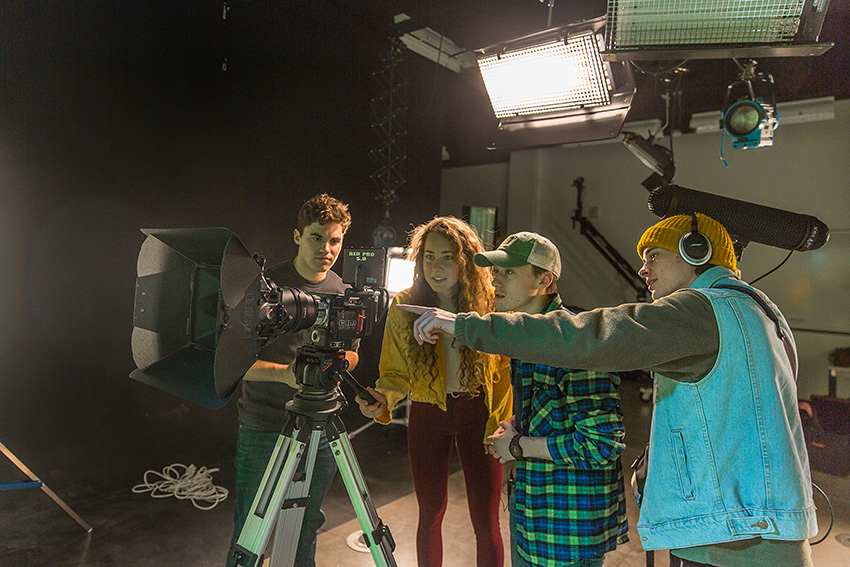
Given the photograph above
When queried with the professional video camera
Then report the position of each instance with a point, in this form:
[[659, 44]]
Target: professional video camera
[[204, 308], [330, 322]]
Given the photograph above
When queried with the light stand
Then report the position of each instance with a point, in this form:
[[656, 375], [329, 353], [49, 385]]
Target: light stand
[[36, 482], [624, 269], [282, 495]]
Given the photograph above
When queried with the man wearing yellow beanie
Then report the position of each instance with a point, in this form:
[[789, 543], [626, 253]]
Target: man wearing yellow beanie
[[728, 479]]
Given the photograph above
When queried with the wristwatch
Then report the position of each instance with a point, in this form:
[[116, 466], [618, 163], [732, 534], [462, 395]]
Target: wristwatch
[[515, 448]]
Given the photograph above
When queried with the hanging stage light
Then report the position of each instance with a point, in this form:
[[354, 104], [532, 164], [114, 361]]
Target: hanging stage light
[[750, 120], [559, 74], [713, 29], [750, 123], [654, 156], [552, 87]]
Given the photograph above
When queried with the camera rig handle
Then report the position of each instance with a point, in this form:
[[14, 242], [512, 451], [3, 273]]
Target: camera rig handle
[[359, 390]]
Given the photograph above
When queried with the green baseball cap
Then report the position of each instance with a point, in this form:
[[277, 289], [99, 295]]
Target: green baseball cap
[[523, 248]]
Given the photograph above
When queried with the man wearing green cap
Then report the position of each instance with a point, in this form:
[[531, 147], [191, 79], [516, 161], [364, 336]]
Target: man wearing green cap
[[561, 448], [728, 479]]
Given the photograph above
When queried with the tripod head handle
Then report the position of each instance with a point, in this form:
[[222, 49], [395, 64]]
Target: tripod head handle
[[359, 390]]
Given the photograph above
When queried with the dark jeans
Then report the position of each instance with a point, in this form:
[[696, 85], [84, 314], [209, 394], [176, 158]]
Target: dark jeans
[[254, 448]]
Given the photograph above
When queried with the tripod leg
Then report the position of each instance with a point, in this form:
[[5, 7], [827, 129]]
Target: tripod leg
[[288, 531], [377, 535], [256, 532]]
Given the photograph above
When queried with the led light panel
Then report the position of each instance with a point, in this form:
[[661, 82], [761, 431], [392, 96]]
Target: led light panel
[[399, 270], [549, 77], [671, 23]]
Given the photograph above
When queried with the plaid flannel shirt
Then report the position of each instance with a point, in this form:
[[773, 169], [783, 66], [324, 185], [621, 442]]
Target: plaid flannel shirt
[[574, 507]]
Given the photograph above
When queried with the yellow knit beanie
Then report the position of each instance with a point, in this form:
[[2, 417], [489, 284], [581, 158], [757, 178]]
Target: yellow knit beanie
[[667, 233]]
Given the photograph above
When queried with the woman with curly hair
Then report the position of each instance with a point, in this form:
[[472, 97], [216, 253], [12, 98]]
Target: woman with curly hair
[[458, 396]]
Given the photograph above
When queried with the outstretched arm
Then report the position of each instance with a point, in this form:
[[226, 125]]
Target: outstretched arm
[[430, 323]]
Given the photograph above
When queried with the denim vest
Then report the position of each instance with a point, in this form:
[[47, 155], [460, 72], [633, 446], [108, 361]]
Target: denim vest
[[727, 458]]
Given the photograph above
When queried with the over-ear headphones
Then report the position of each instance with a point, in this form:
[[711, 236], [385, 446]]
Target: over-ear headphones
[[694, 246]]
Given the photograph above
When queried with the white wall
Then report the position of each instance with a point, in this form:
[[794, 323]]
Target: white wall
[[807, 171]]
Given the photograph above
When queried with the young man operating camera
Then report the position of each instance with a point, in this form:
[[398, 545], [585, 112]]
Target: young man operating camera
[[270, 383]]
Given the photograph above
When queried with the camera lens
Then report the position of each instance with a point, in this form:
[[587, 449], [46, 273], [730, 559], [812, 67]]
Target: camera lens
[[299, 309]]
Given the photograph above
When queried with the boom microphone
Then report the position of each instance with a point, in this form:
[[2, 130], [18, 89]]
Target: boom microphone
[[746, 222]]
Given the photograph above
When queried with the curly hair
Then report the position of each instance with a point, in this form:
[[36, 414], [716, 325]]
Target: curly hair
[[324, 209], [472, 293]]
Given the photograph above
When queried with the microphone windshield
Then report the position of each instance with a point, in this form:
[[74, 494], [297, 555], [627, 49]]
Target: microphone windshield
[[746, 222]]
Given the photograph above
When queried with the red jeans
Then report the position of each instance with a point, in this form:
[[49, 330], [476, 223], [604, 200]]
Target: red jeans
[[431, 434]]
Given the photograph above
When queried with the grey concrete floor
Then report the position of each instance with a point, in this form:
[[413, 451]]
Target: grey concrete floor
[[135, 530]]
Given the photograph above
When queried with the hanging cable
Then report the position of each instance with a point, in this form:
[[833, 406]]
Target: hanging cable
[[831, 515], [774, 269], [191, 484], [661, 72], [442, 24]]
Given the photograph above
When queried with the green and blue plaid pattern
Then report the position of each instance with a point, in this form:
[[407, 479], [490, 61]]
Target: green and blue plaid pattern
[[574, 507]]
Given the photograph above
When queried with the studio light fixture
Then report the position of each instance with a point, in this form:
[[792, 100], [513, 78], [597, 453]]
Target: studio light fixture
[[713, 29], [749, 112], [399, 270], [749, 117], [654, 156], [792, 112], [750, 123], [553, 87]]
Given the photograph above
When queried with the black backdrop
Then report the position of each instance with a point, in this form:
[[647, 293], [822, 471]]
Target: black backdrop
[[121, 116]]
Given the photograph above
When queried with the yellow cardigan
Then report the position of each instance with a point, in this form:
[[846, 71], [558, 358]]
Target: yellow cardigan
[[399, 375]]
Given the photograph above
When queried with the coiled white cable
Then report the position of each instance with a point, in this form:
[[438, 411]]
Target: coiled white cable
[[191, 484]]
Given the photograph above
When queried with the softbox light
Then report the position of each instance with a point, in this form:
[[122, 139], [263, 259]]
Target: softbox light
[[195, 313]]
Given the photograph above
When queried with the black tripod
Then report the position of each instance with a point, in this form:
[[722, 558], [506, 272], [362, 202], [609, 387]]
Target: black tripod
[[283, 494]]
